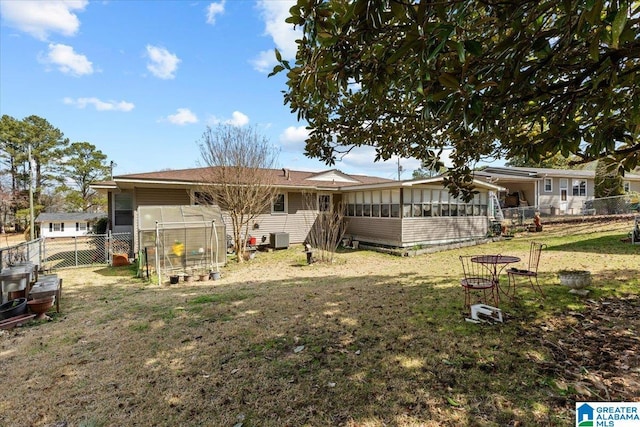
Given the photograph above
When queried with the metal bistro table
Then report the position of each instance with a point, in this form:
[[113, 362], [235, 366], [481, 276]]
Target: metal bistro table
[[495, 264]]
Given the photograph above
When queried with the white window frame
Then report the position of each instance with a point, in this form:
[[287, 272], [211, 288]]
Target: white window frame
[[550, 187], [285, 205], [564, 187], [626, 185], [577, 184]]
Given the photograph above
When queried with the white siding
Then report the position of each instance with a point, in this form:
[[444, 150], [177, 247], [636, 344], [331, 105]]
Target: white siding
[[443, 229], [69, 229]]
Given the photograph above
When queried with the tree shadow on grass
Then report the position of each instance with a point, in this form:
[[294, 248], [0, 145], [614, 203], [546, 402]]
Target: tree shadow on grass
[[605, 244], [122, 271], [375, 349]]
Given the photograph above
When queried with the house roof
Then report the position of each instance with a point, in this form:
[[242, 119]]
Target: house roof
[[422, 181], [69, 216], [332, 179], [528, 174], [281, 178]]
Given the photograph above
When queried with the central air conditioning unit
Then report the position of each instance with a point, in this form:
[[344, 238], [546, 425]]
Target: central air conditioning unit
[[279, 240]]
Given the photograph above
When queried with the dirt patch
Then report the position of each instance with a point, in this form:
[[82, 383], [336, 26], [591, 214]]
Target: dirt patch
[[11, 239], [596, 352]]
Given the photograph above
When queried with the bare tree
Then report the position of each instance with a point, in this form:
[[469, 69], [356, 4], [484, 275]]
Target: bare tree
[[327, 227], [239, 177], [5, 202]]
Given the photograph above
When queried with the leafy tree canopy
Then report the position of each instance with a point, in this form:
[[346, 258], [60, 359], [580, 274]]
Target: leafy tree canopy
[[557, 161], [608, 181], [413, 78], [82, 165]]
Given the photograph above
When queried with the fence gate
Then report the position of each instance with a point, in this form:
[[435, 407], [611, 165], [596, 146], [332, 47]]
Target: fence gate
[[63, 252]]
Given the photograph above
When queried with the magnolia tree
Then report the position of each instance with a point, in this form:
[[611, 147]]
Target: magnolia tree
[[239, 177], [480, 79]]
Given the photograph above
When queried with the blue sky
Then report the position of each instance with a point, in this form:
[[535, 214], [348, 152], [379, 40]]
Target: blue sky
[[141, 80]]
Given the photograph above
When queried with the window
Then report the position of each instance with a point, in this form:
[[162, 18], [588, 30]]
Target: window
[[81, 226], [123, 209], [56, 226], [278, 204], [564, 184], [200, 198], [395, 203], [324, 202], [627, 186], [579, 187], [548, 187]]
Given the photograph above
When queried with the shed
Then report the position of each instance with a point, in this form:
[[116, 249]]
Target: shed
[[183, 239]]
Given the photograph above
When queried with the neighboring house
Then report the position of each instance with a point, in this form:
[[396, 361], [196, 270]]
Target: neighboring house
[[563, 191], [378, 210], [67, 224]]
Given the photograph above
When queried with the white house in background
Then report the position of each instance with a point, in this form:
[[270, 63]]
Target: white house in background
[[564, 191], [67, 224]]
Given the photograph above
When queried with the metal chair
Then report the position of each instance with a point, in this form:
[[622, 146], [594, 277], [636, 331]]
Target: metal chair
[[477, 277], [531, 272]]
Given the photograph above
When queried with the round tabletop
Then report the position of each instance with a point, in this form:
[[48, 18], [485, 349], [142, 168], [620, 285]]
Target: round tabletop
[[495, 259]]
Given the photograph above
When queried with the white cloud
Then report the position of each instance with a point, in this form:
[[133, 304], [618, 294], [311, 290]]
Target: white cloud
[[238, 119], [360, 160], [283, 34], [264, 62], [163, 63], [67, 60], [293, 138], [39, 18], [214, 9], [184, 116], [100, 105]]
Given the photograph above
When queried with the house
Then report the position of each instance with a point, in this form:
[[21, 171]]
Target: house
[[67, 224], [379, 211], [563, 191]]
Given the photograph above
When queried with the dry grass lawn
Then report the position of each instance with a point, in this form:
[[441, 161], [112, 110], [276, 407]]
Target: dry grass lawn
[[372, 340]]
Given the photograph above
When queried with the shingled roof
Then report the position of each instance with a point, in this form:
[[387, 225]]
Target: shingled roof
[[69, 216], [332, 178]]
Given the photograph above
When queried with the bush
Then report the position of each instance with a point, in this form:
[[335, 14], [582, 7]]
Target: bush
[[100, 227]]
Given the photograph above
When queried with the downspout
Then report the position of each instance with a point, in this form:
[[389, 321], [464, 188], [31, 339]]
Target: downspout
[[156, 251]]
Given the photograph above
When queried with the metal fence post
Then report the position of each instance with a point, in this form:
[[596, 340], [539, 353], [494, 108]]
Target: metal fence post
[[107, 246]]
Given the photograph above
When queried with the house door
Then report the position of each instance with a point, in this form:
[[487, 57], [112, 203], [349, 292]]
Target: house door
[[564, 190]]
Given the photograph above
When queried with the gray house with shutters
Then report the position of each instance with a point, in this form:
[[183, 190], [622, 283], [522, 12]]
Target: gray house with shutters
[[563, 191], [378, 211]]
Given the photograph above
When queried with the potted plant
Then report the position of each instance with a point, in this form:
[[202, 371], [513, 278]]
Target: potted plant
[[188, 276]]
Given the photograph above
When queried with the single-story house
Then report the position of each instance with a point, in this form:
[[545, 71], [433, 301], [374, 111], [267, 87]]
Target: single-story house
[[563, 191], [379, 211], [67, 224]]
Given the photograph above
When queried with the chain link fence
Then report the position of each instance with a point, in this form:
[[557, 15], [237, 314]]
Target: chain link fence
[[615, 205], [20, 253], [524, 215], [618, 205], [65, 252]]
